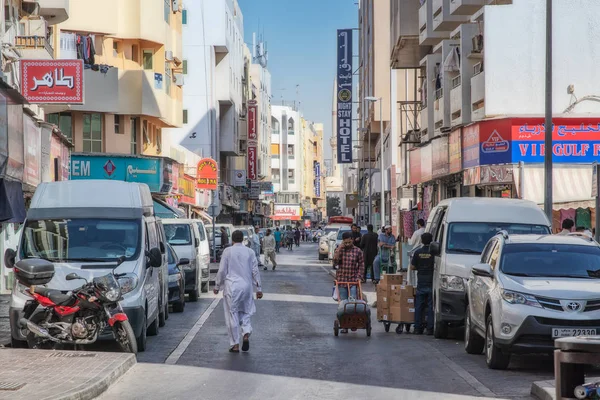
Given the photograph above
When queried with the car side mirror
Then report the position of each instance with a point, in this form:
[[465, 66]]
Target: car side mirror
[[9, 258], [183, 261], [72, 276], [197, 242], [483, 270], [154, 257], [162, 248], [434, 248]]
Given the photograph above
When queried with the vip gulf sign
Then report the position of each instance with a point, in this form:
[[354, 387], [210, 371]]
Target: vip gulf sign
[[252, 153]]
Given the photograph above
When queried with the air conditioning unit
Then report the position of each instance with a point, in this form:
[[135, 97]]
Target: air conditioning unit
[[178, 79], [243, 147], [169, 55], [175, 6]]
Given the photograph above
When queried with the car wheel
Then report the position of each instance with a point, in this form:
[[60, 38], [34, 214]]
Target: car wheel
[[440, 328], [142, 340], [166, 310], [473, 342], [495, 358], [162, 318], [180, 305], [194, 295]]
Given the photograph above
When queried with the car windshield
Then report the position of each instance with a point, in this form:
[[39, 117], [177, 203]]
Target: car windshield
[[471, 237], [81, 239], [551, 260], [170, 255], [178, 234]]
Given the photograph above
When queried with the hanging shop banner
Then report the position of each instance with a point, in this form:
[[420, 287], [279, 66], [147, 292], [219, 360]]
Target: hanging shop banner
[[33, 151], [187, 189], [59, 160], [16, 146], [119, 168], [344, 96], [470, 146], [287, 211], [252, 149], [226, 195], [439, 156], [494, 139], [239, 178], [495, 174], [471, 176], [575, 140], [254, 193], [317, 179], [175, 177], [415, 166], [52, 81], [426, 163], [167, 172], [351, 200], [207, 174], [454, 152]]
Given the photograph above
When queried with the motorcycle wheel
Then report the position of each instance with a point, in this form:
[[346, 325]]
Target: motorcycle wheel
[[125, 337]]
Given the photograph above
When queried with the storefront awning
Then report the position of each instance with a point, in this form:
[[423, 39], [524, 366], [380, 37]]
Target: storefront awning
[[570, 184]]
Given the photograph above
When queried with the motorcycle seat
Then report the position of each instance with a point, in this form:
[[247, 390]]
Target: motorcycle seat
[[56, 296]]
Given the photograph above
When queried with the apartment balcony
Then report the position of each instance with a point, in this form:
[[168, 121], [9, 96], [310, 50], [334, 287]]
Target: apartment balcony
[[423, 120], [478, 94], [427, 36], [443, 20], [456, 101], [465, 7], [34, 47], [101, 92], [404, 40], [438, 110], [54, 11]]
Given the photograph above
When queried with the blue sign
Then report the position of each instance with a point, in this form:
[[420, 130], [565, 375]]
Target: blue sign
[[317, 179], [344, 96], [120, 168]]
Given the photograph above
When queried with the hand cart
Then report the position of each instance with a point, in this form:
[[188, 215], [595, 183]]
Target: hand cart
[[355, 315], [402, 326], [387, 259]]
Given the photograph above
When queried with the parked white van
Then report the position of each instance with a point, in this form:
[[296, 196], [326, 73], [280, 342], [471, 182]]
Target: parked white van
[[183, 235], [461, 227], [84, 227], [204, 250]]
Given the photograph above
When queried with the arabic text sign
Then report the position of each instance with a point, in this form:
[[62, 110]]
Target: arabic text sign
[[575, 140], [252, 158], [52, 81], [128, 169], [344, 96], [252, 132], [207, 174], [495, 144], [254, 191], [287, 211], [317, 179]]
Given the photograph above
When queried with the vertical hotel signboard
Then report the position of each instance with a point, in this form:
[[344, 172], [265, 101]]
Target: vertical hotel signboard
[[317, 179], [252, 141], [344, 96], [207, 174]]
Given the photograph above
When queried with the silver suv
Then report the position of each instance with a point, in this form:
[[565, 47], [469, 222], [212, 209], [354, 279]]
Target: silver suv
[[529, 290]]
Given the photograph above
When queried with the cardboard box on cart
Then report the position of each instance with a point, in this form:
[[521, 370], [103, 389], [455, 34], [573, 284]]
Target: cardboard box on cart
[[402, 307], [383, 303]]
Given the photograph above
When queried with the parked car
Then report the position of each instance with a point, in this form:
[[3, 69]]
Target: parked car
[[217, 238], [461, 227], [184, 237], [529, 290], [340, 233], [84, 227], [176, 280], [204, 250], [326, 242]]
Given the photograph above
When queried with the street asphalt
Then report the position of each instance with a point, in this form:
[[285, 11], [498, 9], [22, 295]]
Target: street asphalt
[[294, 353]]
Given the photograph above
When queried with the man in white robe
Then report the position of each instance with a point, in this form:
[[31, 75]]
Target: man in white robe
[[255, 244], [238, 273]]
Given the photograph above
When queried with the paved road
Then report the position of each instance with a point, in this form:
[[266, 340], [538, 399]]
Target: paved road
[[293, 351]]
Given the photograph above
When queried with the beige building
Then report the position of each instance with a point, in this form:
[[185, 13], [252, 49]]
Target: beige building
[[134, 86], [313, 202]]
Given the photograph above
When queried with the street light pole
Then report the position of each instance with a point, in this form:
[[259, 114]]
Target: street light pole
[[548, 123], [381, 167], [370, 181]]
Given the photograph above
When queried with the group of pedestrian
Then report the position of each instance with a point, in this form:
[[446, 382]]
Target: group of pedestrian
[[567, 227]]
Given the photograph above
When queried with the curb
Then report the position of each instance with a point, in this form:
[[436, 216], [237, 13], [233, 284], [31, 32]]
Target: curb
[[543, 390], [89, 391]]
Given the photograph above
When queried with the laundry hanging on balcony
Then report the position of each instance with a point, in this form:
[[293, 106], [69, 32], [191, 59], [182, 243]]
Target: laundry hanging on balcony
[[452, 62], [85, 49]]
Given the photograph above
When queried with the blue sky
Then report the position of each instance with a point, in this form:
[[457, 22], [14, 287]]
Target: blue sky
[[301, 40]]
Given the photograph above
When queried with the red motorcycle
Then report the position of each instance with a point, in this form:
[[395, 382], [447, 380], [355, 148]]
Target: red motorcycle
[[77, 317]]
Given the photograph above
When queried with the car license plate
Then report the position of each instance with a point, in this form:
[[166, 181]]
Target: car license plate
[[566, 332]]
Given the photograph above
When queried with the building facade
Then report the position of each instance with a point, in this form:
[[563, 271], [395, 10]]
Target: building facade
[[286, 152]]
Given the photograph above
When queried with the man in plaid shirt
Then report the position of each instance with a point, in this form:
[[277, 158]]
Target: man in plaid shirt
[[350, 261]]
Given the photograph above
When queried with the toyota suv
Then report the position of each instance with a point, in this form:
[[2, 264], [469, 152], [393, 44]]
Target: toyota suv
[[529, 290]]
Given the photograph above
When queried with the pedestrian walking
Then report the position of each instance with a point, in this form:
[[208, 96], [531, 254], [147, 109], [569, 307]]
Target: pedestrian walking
[[303, 235], [356, 235], [368, 245], [350, 262], [238, 274], [415, 239], [423, 262], [277, 235], [269, 249], [289, 238], [297, 237], [255, 244], [567, 227], [224, 237], [386, 241]]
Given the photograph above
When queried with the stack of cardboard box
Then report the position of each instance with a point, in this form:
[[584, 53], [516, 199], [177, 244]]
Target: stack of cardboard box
[[395, 301]]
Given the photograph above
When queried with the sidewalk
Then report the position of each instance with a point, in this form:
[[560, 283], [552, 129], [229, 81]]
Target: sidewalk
[[4, 320], [59, 375]]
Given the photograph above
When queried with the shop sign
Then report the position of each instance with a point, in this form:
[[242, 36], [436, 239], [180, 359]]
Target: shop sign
[[207, 174], [16, 146], [118, 168], [203, 198], [351, 200], [470, 146], [287, 211], [454, 152], [495, 174], [471, 176], [33, 151], [257, 208], [575, 140], [252, 158], [495, 142], [175, 177], [344, 96], [254, 191], [317, 172], [52, 81], [415, 166], [226, 195], [187, 189], [59, 160], [439, 157], [426, 163], [167, 182], [266, 186], [239, 178]]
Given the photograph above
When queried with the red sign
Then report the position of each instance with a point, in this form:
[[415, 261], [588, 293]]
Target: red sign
[[52, 81], [207, 175], [252, 111], [252, 162], [286, 211], [415, 166]]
